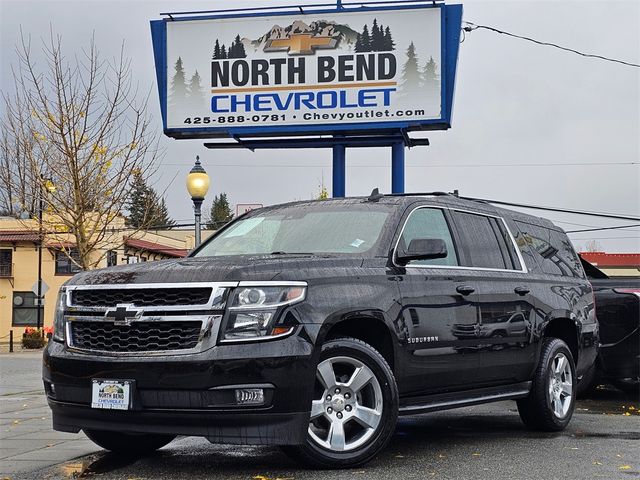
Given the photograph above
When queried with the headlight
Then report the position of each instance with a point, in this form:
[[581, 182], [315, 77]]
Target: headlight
[[58, 317], [253, 310]]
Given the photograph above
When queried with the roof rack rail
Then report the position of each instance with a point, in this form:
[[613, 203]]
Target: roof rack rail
[[422, 194]]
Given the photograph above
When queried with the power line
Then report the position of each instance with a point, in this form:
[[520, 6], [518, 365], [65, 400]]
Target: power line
[[609, 238], [213, 164], [555, 209], [603, 228], [472, 26]]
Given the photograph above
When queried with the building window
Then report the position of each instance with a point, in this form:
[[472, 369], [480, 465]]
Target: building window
[[6, 263], [25, 310], [112, 258], [64, 264]]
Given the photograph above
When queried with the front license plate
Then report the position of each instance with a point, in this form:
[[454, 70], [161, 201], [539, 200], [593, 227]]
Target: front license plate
[[111, 394]]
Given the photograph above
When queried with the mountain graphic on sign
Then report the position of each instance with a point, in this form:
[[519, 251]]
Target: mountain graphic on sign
[[343, 34]]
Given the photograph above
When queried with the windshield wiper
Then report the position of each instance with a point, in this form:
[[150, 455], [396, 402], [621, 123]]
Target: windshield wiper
[[280, 252]]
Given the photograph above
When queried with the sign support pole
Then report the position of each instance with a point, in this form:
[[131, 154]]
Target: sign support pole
[[339, 170], [397, 167]]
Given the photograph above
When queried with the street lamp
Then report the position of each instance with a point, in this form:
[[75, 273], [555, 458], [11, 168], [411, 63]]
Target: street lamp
[[198, 186], [49, 187]]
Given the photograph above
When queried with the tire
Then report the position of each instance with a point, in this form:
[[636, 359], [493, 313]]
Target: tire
[[354, 410], [131, 444], [551, 402]]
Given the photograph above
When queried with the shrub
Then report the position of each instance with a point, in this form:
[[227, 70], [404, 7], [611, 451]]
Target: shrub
[[32, 338]]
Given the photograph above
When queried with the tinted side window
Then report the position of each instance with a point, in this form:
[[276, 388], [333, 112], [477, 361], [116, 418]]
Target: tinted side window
[[429, 223], [485, 242], [552, 249]]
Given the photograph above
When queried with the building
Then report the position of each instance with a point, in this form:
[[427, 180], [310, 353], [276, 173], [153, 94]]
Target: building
[[19, 240], [615, 264]]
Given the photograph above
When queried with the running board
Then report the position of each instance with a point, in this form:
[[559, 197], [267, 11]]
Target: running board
[[446, 401]]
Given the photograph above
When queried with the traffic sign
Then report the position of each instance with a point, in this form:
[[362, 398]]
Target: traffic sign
[[44, 288]]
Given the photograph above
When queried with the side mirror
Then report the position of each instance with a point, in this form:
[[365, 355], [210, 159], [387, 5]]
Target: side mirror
[[422, 249]]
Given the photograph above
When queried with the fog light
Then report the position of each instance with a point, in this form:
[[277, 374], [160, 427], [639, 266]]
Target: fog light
[[250, 396]]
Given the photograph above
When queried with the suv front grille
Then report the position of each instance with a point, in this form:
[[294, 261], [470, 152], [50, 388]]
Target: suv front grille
[[138, 337], [147, 297]]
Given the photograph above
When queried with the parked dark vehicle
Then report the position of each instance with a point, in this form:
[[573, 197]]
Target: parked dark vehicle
[[313, 325], [618, 311]]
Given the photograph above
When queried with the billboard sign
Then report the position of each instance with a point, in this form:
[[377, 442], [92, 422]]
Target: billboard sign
[[242, 208], [360, 69]]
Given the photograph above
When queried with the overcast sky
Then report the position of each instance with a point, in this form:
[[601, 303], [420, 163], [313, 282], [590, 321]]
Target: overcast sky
[[531, 124]]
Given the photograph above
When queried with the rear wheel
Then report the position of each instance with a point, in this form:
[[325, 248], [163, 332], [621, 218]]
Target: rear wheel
[[128, 443], [354, 409], [551, 402]]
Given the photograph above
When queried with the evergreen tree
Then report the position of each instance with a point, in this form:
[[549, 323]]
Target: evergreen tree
[[137, 203], [430, 77], [216, 51], [375, 33], [387, 43], [178, 83], [223, 52], [410, 72], [160, 216], [146, 208], [363, 42], [220, 212], [377, 36], [237, 48], [196, 96]]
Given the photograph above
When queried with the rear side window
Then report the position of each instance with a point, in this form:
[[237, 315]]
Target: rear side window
[[552, 249], [429, 223], [485, 242]]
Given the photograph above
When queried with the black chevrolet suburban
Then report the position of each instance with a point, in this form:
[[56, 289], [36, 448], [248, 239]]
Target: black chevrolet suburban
[[313, 325]]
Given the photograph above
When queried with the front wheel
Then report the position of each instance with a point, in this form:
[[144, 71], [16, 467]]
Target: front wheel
[[354, 408], [128, 443], [551, 402]]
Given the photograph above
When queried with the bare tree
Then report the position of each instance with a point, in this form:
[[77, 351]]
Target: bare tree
[[77, 121], [592, 246]]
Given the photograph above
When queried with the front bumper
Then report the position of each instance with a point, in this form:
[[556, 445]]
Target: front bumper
[[190, 394]]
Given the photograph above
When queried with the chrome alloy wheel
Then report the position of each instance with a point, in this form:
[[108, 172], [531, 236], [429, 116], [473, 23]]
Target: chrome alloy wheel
[[560, 385], [347, 406]]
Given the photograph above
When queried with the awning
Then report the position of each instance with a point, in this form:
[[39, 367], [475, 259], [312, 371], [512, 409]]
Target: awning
[[158, 248]]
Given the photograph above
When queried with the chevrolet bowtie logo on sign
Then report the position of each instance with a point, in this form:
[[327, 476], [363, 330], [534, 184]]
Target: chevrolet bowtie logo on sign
[[301, 44]]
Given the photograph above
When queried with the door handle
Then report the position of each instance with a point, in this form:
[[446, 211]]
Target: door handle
[[522, 291], [465, 289]]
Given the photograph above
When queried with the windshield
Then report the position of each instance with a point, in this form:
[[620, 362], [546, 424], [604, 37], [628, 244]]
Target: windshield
[[321, 229]]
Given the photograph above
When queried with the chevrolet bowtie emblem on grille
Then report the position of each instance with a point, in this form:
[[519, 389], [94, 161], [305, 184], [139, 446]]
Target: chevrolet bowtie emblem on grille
[[300, 44], [124, 314]]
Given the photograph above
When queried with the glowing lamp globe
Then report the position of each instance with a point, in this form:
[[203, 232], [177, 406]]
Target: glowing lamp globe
[[198, 181]]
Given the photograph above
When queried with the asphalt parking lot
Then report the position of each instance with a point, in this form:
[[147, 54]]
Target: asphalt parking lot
[[602, 441]]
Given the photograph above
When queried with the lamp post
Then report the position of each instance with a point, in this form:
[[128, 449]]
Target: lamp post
[[198, 186], [49, 187]]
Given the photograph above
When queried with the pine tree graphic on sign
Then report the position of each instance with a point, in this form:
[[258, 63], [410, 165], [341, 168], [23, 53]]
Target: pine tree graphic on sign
[[195, 95], [178, 92], [411, 78]]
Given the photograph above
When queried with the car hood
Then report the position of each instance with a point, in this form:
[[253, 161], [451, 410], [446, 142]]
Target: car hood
[[219, 269]]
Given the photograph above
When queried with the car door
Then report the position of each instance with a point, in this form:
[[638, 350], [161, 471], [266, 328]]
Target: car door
[[439, 317], [505, 302]]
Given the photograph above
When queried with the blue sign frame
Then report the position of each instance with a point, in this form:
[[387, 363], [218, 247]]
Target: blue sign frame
[[451, 18]]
